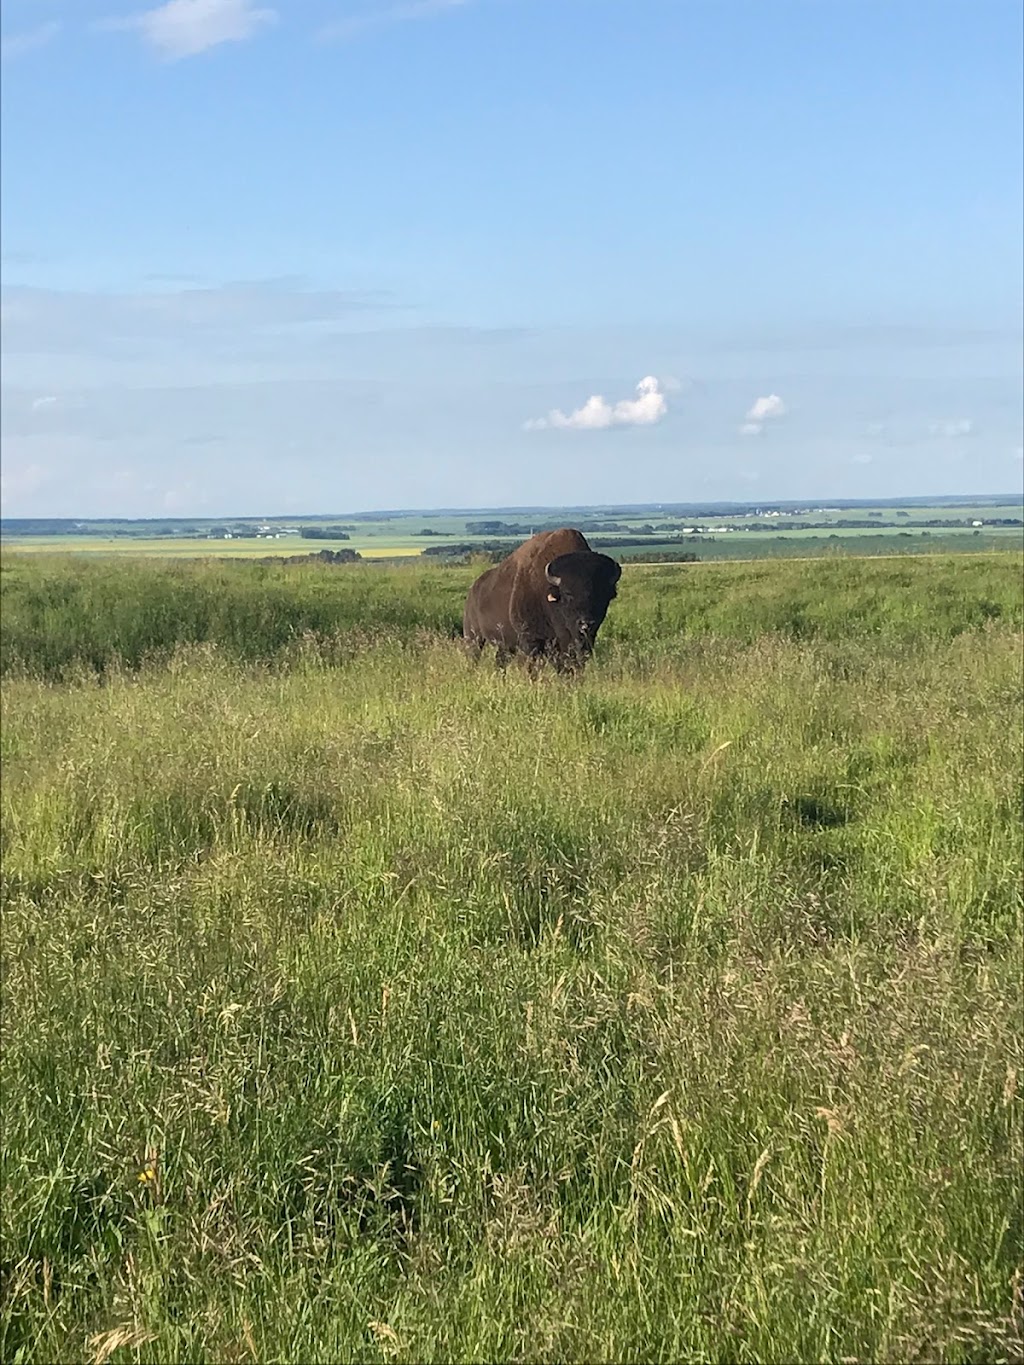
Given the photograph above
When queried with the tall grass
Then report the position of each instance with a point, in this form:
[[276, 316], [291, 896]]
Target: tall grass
[[374, 1005], [61, 614]]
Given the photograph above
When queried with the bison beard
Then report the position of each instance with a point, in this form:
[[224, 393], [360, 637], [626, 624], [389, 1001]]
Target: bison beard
[[547, 599]]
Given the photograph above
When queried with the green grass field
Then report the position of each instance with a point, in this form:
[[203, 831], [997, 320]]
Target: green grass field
[[361, 1003]]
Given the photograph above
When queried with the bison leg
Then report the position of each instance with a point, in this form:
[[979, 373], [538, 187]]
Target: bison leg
[[570, 662], [535, 652]]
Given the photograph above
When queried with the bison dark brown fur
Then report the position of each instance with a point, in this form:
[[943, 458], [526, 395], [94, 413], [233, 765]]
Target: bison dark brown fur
[[547, 599]]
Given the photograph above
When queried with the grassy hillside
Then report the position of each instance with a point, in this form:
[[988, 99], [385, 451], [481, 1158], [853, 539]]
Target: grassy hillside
[[363, 1004]]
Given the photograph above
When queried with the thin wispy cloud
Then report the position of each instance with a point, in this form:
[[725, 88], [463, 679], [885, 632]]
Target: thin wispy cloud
[[40, 321], [950, 427], [767, 409], [342, 30], [648, 407], [18, 44], [185, 28]]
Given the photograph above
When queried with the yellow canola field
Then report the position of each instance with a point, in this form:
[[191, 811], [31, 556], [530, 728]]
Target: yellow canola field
[[198, 548]]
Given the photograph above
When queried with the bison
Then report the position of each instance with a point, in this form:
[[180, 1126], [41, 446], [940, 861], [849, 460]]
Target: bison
[[547, 599]]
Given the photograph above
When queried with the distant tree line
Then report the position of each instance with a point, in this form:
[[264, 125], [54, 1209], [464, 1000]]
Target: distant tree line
[[521, 529], [494, 549], [938, 523], [624, 542], [325, 532], [664, 557], [320, 557]]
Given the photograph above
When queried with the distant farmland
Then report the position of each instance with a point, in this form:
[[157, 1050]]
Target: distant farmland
[[709, 533]]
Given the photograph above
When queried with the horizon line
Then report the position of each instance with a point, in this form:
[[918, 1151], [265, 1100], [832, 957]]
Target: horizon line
[[370, 513]]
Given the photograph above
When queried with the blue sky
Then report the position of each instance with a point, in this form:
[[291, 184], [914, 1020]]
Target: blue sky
[[306, 256]]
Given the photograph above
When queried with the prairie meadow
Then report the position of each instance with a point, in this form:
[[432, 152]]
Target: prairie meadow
[[365, 1003]]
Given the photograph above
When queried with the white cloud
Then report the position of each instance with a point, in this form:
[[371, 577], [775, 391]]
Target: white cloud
[[950, 427], [862, 459], [763, 408], [596, 414], [20, 43], [647, 408], [48, 401], [351, 27], [184, 28]]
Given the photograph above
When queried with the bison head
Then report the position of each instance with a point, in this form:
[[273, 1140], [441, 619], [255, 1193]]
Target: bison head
[[580, 587]]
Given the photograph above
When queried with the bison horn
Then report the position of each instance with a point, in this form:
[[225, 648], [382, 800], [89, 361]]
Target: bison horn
[[551, 577]]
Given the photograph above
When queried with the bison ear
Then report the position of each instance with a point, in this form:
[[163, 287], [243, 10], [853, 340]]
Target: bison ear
[[552, 578]]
